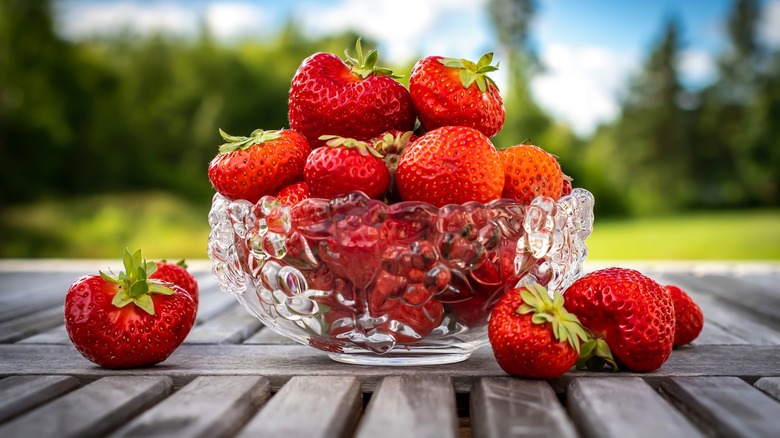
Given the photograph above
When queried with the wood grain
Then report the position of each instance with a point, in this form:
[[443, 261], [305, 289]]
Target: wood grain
[[312, 407], [405, 406], [32, 324], [726, 406], [507, 407], [22, 393], [91, 411], [624, 407], [770, 385], [231, 326], [215, 406]]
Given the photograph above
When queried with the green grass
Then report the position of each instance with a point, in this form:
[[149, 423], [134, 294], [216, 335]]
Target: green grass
[[731, 235], [165, 226]]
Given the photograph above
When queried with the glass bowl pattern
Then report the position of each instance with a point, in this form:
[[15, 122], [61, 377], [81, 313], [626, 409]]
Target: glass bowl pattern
[[399, 284]]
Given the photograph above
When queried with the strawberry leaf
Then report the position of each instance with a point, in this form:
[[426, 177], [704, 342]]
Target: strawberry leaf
[[145, 302], [121, 299]]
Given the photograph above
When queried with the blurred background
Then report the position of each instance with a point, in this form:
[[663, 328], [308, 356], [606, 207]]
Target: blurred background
[[667, 111]]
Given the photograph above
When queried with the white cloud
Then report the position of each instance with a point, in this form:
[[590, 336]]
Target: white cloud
[[403, 27], [228, 20], [581, 85], [697, 68], [770, 26], [82, 19]]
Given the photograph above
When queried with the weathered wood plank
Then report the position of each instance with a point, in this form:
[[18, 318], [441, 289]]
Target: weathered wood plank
[[623, 407], [770, 281], [32, 324], [266, 336], [57, 335], [749, 296], [229, 327], [211, 300], [91, 411], [19, 394], [770, 385], [728, 324], [215, 406], [726, 406], [503, 407], [312, 407], [278, 363], [419, 406]]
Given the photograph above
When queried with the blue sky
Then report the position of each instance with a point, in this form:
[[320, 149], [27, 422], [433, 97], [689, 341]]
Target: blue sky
[[590, 47]]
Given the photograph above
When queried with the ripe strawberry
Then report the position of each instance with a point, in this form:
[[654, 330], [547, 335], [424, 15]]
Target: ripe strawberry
[[355, 99], [532, 335], [294, 193], [344, 166], [450, 165], [410, 311], [530, 172], [456, 92], [261, 164], [567, 185], [688, 317], [128, 320], [177, 274], [629, 312]]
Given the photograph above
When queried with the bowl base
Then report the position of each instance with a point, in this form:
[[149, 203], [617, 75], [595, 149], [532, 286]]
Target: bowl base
[[399, 359]]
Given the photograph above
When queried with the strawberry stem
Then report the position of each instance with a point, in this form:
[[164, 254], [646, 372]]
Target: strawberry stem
[[471, 72], [234, 143], [546, 309], [363, 147], [365, 64], [134, 283]]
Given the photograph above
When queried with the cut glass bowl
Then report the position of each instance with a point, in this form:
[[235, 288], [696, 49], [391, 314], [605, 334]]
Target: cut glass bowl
[[399, 284]]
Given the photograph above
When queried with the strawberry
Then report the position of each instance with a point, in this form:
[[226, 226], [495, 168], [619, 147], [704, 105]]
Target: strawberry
[[344, 166], [177, 274], [411, 315], [530, 171], [456, 92], [127, 320], [294, 193], [261, 164], [688, 317], [628, 314], [450, 165], [355, 99], [532, 334], [567, 185]]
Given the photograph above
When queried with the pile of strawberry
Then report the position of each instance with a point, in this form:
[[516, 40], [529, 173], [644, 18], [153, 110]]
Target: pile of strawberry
[[612, 318], [354, 127]]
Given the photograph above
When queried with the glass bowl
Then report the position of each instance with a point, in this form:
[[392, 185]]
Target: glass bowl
[[399, 284]]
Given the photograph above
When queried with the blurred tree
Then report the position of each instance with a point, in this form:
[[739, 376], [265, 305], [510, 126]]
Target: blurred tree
[[651, 151], [524, 117], [739, 144]]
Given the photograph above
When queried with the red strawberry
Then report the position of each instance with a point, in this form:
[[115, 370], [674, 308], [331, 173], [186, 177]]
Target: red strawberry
[[411, 315], [688, 317], [530, 171], [450, 165], [294, 193], [629, 312], [354, 99], [261, 164], [567, 185], [344, 166], [532, 335], [128, 320], [177, 274], [456, 92]]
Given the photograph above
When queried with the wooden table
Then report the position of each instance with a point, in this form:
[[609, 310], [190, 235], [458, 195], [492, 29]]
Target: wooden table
[[233, 377]]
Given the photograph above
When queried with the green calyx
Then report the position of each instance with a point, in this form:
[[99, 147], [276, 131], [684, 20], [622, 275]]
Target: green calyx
[[234, 143], [363, 147], [596, 356], [393, 144], [546, 310], [134, 284], [471, 72], [364, 65]]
